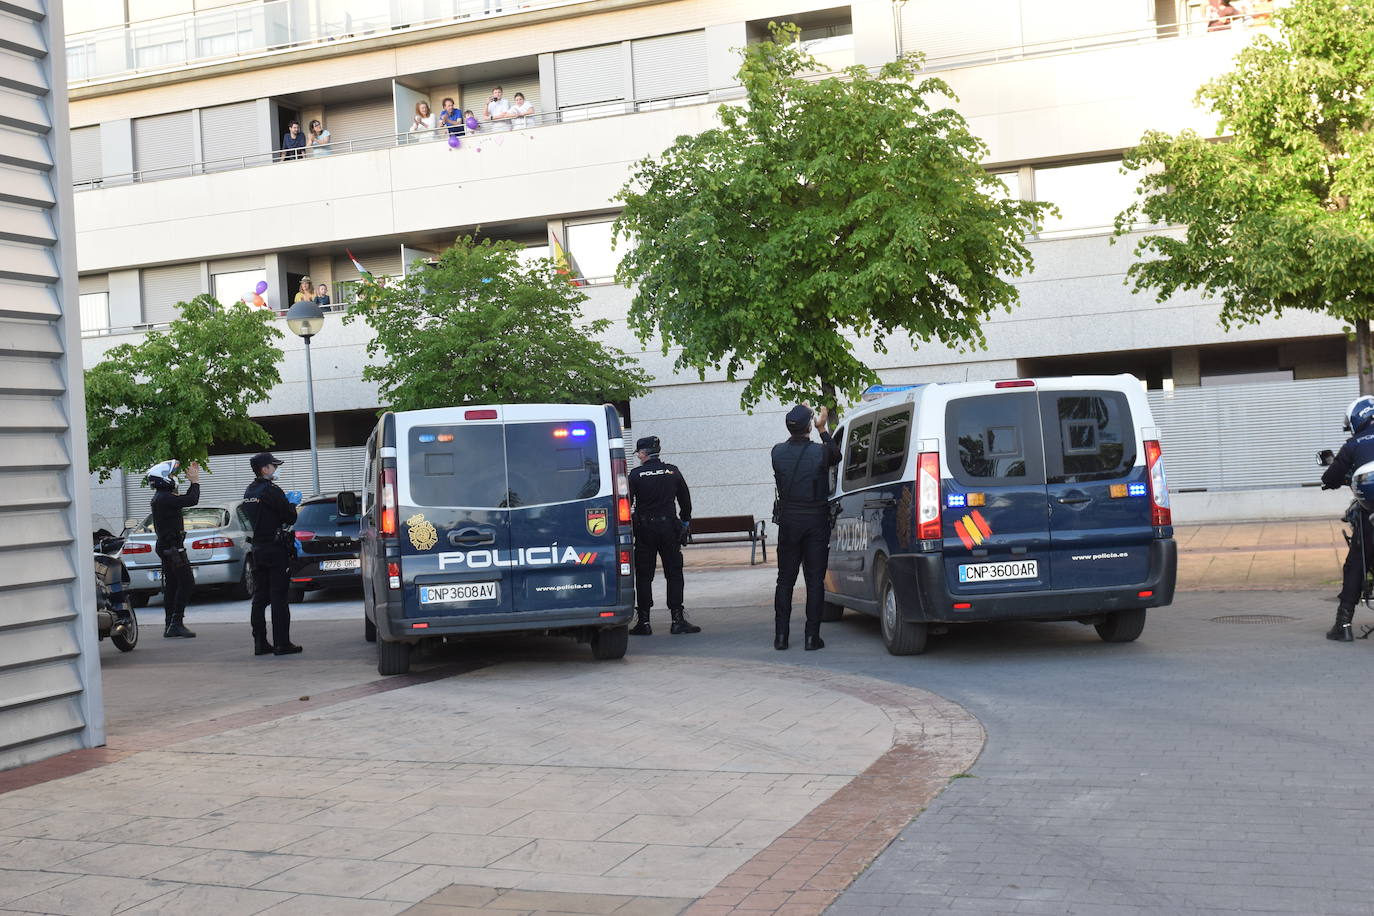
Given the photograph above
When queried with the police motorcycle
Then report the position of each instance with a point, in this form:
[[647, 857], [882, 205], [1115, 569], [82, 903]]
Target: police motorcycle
[[114, 614]]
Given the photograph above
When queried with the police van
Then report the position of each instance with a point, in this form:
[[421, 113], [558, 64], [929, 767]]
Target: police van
[[1029, 499], [496, 519]]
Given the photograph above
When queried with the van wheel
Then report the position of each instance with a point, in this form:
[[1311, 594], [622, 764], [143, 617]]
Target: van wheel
[[900, 636], [1122, 626], [831, 612], [369, 629], [393, 657], [610, 643]]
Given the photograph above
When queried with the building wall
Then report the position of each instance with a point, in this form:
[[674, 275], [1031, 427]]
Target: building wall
[[50, 697]]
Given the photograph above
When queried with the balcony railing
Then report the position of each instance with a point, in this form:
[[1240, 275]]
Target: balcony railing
[[256, 28]]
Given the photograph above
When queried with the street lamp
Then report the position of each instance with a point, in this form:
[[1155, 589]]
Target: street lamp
[[305, 321]]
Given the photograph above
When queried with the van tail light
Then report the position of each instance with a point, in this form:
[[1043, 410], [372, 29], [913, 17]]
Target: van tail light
[[622, 489], [928, 496], [1161, 516], [388, 501], [393, 575], [624, 562]]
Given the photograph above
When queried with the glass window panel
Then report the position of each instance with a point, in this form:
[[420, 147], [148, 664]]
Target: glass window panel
[[95, 311], [591, 249], [856, 462], [1088, 197], [233, 287]]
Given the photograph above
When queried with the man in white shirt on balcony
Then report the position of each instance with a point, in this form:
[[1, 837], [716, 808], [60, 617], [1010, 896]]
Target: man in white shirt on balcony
[[498, 111]]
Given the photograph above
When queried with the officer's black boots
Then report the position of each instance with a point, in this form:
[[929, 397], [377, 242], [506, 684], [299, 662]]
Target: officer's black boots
[[262, 647], [641, 627], [780, 641], [288, 648], [813, 643], [175, 628], [1340, 630], [681, 624]]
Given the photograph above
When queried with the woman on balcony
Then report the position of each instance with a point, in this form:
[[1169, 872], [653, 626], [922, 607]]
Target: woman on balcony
[[317, 140], [424, 123]]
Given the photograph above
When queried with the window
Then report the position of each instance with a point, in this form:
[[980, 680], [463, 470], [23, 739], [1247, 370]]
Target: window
[[530, 255], [1088, 196], [458, 466], [232, 287], [369, 469], [889, 447], [556, 464], [593, 254], [95, 311], [1094, 433], [997, 437], [322, 515], [856, 455], [1012, 180], [193, 519]]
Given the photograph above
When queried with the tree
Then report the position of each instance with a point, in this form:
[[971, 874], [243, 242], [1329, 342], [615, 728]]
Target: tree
[[480, 326], [1278, 214], [178, 391], [818, 213]]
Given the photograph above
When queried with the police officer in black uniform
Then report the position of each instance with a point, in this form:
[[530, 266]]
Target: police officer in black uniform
[[177, 578], [660, 531], [1357, 450], [801, 471], [272, 515]]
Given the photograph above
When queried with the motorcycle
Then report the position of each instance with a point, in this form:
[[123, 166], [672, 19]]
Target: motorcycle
[[1361, 507], [114, 614]]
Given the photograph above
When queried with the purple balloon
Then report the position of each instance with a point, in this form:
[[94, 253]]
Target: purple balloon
[[454, 141], [261, 287]]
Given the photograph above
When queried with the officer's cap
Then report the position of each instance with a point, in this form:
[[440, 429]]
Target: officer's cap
[[262, 460], [649, 444], [799, 419]]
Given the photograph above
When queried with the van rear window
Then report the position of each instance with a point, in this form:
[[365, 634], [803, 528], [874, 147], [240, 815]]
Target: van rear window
[[997, 438], [468, 466], [1093, 431], [552, 462]]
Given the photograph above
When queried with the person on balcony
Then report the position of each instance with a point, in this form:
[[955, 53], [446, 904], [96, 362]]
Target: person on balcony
[[425, 123], [322, 295], [317, 139], [1220, 15], [451, 119], [306, 293], [498, 110], [521, 111], [292, 142]]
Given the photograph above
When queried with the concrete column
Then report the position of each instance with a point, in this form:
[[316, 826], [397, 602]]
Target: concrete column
[[548, 83], [197, 141], [126, 299], [1187, 367], [723, 46], [117, 151], [875, 31], [266, 118], [627, 61]]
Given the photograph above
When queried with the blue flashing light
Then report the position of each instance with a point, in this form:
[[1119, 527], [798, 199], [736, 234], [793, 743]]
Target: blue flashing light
[[956, 500], [1136, 489], [427, 437], [579, 432]]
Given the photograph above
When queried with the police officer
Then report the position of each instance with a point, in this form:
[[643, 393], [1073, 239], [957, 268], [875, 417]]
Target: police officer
[[177, 579], [801, 472], [660, 531], [1357, 450], [272, 515]]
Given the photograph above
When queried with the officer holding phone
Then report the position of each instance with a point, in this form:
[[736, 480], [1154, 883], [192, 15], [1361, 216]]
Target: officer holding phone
[[272, 515], [662, 513]]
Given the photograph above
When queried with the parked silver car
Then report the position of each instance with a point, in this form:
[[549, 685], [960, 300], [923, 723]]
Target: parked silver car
[[216, 544]]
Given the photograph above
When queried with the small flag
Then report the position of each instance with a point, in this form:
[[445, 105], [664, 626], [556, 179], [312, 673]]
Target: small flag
[[362, 271], [564, 264]]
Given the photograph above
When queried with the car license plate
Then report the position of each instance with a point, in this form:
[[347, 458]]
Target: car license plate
[[155, 575], [464, 591], [992, 572], [326, 565]]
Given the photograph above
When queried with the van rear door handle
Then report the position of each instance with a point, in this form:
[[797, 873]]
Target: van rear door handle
[[471, 537], [1074, 500]]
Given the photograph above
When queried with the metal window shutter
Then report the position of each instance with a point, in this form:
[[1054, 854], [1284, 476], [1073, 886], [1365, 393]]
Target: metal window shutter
[[669, 66], [48, 646], [165, 287], [589, 75], [86, 164], [368, 119], [230, 132], [377, 263], [164, 145], [95, 283], [230, 475], [945, 31], [234, 265]]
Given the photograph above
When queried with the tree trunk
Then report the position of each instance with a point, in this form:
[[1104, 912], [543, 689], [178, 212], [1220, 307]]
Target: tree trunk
[[1362, 356], [831, 401]]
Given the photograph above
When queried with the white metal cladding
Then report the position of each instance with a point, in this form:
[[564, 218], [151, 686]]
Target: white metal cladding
[[1245, 436], [668, 66], [232, 132], [941, 30], [166, 287], [378, 263], [164, 145], [589, 75], [86, 164], [340, 469], [350, 122], [49, 663], [95, 283]]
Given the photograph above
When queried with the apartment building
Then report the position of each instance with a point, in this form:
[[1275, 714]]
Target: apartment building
[[178, 112]]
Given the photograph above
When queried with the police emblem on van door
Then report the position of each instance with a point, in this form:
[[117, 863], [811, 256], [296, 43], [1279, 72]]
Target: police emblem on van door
[[597, 519], [422, 533]]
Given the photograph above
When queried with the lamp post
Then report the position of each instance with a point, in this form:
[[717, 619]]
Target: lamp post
[[305, 321]]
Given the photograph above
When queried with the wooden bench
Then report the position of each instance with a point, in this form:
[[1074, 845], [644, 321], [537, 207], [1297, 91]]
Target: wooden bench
[[732, 529]]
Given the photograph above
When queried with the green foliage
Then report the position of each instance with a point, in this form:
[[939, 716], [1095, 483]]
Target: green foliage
[[1278, 216], [481, 327], [178, 391], [819, 212]]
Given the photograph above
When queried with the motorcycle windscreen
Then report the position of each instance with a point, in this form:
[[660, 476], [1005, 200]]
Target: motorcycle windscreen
[[562, 515]]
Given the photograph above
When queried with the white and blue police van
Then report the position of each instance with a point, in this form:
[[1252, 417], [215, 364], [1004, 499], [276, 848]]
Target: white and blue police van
[[1027, 499], [496, 519]]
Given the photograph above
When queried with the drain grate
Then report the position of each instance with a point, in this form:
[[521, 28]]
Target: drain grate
[[1254, 618]]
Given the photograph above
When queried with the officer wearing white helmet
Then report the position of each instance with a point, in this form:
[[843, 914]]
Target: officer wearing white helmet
[[1357, 450], [177, 579]]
